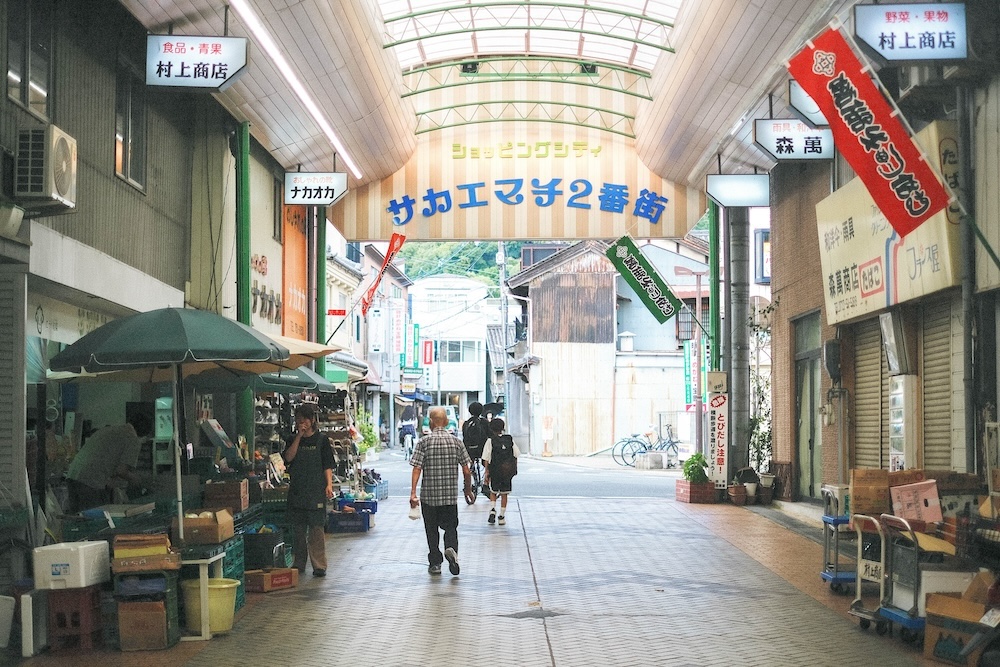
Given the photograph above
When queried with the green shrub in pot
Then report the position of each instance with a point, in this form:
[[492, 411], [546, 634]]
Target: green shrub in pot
[[694, 469]]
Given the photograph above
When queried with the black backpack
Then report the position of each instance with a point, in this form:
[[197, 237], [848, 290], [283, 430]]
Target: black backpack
[[503, 463], [475, 433]]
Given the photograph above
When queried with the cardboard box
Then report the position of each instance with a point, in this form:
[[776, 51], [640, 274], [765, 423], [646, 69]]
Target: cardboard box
[[961, 483], [234, 496], [168, 561], [213, 530], [901, 477], [951, 623], [264, 581], [869, 477], [918, 501], [72, 565], [142, 626], [126, 546], [979, 588], [870, 500]]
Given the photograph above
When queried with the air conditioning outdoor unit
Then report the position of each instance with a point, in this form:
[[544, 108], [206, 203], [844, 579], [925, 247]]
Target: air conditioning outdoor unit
[[46, 167]]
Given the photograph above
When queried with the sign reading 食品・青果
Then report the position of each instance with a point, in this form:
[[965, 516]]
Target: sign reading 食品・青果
[[194, 61], [642, 277]]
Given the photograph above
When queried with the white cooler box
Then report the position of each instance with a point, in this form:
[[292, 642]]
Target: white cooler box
[[934, 578], [72, 565]]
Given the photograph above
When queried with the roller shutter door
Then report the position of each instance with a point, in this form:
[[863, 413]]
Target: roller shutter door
[[870, 406], [935, 365]]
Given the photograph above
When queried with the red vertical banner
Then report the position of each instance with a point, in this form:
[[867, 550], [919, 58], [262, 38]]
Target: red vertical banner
[[428, 352], [867, 132], [395, 243], [295, 268]]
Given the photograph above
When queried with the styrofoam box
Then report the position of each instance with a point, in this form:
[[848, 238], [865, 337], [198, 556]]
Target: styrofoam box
[[934, 578], [72, 565]]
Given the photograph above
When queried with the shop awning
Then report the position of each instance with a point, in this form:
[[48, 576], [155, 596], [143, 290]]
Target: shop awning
[[343, 367], [402, 400]]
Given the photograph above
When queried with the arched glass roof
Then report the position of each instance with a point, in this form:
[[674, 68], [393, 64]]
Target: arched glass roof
[[612, 45], [628, 33]]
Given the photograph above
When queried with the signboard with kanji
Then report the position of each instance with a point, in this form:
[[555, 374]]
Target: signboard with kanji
[[910, 32], [868, 133], [791, 139], [194, 61], [718, 439], [643, 279]]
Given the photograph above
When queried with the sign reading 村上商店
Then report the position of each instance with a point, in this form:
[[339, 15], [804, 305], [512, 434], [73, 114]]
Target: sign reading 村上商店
[[194, 61], [913, 31], [642, 277], [867, 133]]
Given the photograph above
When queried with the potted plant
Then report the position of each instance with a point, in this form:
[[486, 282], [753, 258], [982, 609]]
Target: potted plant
[[696, 487], [748, 479]]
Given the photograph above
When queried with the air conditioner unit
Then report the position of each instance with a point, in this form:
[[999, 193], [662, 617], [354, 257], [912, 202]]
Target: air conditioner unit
[[912, 78], [46, 167]]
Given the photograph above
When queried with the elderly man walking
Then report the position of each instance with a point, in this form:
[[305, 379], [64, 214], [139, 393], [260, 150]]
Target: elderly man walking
[[438, 456]]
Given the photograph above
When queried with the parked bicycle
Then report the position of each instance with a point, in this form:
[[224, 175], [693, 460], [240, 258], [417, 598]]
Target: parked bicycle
[[625, 450]]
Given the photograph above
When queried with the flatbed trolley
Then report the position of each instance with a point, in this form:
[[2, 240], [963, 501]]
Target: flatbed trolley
[[833, 572], [903, 567], [871, 568]]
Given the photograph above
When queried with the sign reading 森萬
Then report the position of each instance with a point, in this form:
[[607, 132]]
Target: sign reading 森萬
[[642, 277], [194, 61], [866, 266], [921, 31], [867, 133], [314, 189], [791, 139], [718, 439]]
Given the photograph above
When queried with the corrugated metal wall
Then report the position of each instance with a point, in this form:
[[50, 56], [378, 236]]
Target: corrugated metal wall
[[987, 168], [870, 395], [935, 371], [576, 303]]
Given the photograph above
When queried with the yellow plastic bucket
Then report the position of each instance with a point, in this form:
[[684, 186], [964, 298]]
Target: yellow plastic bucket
[[221, 604]]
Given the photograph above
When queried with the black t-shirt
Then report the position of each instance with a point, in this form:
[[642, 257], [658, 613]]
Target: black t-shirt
[[307, 489]]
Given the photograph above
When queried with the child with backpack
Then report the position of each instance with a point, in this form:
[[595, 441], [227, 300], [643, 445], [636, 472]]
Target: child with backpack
[[475, 433], [500, 456]]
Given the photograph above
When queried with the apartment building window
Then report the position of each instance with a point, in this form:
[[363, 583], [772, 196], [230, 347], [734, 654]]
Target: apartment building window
[[459, 351], [130, 126], [29, 54], [397, 292], [685, 323], [354, 252]]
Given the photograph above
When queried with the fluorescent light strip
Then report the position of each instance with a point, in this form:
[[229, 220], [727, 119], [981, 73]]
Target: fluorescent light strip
[[267, 43]]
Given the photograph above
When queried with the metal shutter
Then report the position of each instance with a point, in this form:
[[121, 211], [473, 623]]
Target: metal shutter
[[869, 411], [935, 365]]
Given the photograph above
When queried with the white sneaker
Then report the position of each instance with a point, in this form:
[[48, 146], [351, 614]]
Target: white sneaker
[[501, 520], [452, 557]]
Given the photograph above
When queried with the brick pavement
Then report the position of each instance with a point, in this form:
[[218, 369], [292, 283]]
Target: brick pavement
[[566, 583]]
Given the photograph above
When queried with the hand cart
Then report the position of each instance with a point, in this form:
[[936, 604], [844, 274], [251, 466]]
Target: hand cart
[[902, 565], [871, 568], [833, 572]]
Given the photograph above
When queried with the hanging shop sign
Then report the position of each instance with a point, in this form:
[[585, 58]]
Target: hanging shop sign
[[791, 139], [428, 355], [464, 184], [804, 106], [395, 243], [911, 32], [718, 439], [211, 64], [643, 279], [293, 310], [739, 190], [866, 266], [314, 188], [868, 133]]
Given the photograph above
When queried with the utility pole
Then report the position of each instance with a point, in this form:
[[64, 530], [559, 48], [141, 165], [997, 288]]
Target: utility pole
[[502, 263]]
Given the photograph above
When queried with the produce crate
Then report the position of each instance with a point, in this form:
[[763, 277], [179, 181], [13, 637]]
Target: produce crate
[[380, 489], [276, 496], [353, 522], [370, 506]]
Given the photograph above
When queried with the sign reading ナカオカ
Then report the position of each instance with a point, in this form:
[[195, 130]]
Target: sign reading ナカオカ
[[643, 279], [470, 183], [195, 61], [315, 188]]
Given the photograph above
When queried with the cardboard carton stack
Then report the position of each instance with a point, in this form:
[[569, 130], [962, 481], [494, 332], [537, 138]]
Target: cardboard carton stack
[[234, 496], [869, 492], [204, 527], [138, 553], [953, 619]]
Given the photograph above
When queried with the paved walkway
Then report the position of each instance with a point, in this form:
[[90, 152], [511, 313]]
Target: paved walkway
[[566, 583]]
